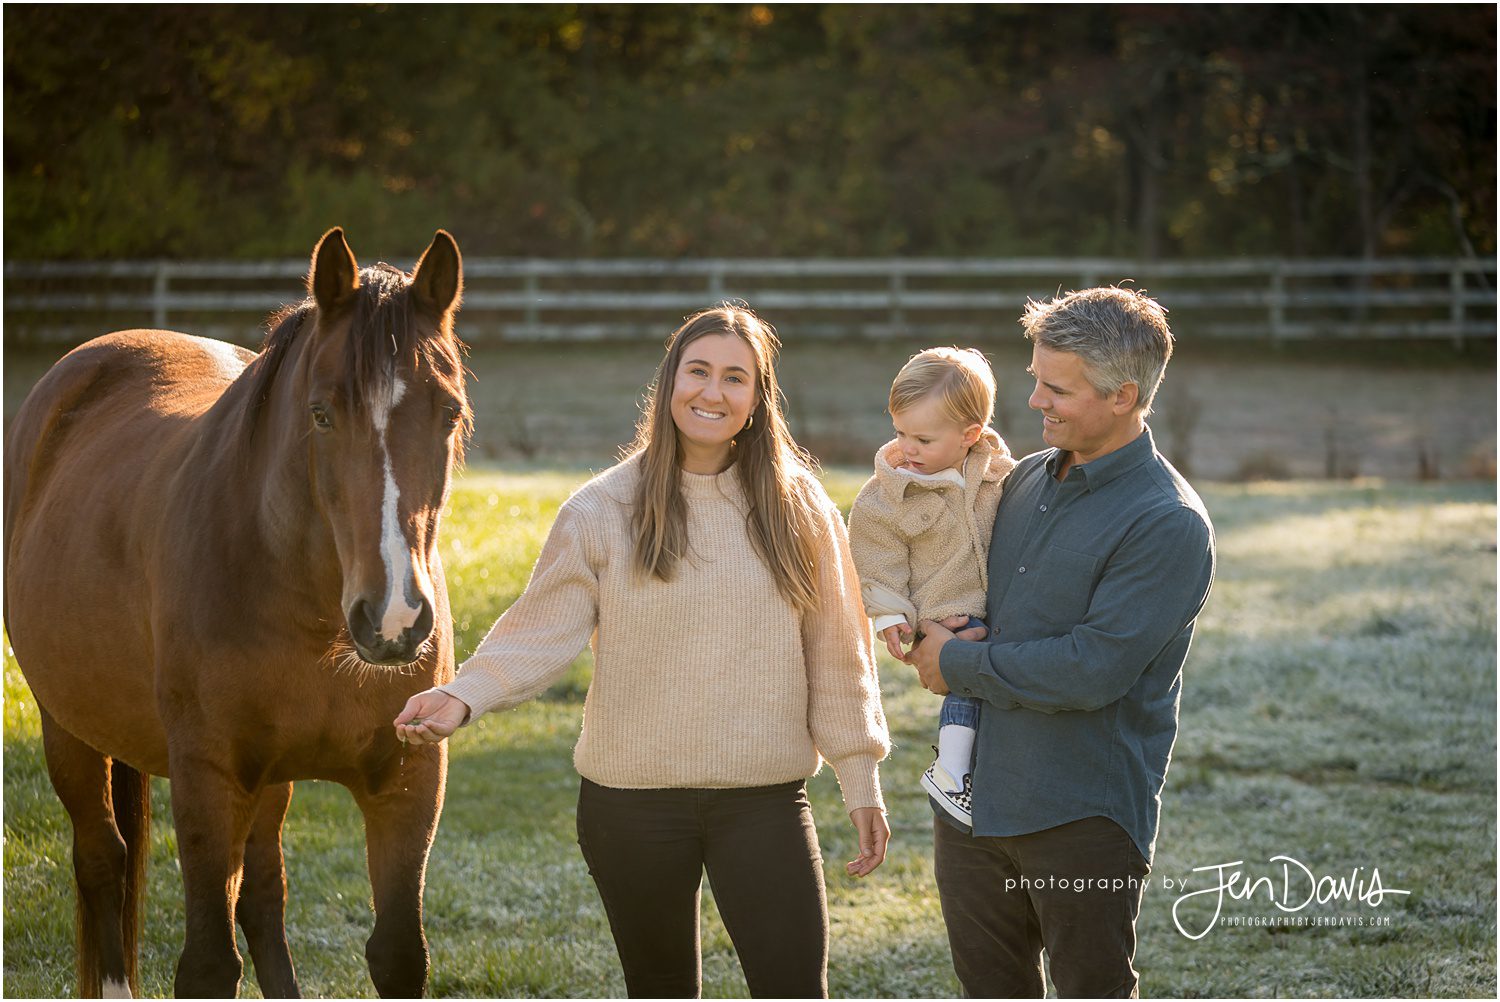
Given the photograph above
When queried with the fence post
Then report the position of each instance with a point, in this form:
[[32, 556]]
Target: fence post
[[532, 287], [716, 283], [1456, 285], [898, 315], [159, 286], [1278, 301]]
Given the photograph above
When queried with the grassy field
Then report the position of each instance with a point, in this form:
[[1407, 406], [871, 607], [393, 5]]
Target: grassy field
[[1338, 709]]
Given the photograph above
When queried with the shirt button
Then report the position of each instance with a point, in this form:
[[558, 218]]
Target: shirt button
[[1044, 507], [995, 632], [1021, 571]]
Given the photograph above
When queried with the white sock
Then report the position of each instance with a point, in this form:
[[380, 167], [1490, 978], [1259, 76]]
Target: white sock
[[956, 751]]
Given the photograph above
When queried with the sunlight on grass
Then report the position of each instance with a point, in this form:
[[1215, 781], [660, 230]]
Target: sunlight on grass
[[1337, 706]]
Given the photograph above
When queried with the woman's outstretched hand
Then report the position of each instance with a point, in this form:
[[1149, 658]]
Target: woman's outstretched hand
[[874, 834], [430, 717]]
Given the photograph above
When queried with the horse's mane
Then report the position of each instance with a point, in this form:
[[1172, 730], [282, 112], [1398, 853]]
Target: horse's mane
[[282, 329], [383, 330]]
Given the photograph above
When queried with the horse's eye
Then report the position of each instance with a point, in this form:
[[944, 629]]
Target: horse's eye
[[321, 418], [452, 416]]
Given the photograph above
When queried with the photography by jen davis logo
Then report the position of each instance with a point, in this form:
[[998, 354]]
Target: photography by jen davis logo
[[1291, 887]]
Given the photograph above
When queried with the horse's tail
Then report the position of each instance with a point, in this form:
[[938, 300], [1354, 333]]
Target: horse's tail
[[130, 796], [89, 981], [130, 792]]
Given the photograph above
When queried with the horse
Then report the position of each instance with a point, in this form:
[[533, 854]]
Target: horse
[[222, 568]]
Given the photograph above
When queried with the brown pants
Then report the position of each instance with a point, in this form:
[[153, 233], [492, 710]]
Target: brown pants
[[647, 850], [1074, 890]]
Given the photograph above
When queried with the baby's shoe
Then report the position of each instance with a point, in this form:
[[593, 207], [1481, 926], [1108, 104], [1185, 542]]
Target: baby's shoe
[[950, 794]]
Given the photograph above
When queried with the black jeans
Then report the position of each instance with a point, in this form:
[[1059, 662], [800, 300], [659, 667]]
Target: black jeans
[[1074, 890], [647, 850]]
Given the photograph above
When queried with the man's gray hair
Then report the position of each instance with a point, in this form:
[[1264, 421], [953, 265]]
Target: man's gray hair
[[1121, 335]]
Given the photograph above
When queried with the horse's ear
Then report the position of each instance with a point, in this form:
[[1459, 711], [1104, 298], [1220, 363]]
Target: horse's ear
[[335, 273], [438, 280]]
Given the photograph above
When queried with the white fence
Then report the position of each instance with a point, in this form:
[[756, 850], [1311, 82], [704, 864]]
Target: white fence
[[516, 299]]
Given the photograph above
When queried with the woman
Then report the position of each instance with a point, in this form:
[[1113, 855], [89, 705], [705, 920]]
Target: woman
[[731, 655]]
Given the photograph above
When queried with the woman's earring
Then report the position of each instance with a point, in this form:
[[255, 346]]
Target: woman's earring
[[750, 422]]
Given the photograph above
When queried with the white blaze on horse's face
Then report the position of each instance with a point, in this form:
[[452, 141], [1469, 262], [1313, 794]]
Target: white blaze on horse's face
[[387, 409], [385, 518], [406, 583]]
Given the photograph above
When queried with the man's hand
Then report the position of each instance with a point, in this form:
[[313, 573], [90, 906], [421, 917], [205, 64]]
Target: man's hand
[[429, 717], [927, 654], [957, 625], [874, 834]]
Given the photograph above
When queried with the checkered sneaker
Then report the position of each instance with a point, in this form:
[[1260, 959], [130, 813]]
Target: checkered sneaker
[[940, 786]]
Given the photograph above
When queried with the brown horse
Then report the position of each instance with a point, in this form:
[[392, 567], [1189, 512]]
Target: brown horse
[[223, 568]]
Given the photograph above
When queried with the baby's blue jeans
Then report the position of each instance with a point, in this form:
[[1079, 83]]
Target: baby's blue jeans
[[959, 710]]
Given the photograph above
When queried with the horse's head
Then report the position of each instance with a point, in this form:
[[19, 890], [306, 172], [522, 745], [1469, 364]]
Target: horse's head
[[386, 417]]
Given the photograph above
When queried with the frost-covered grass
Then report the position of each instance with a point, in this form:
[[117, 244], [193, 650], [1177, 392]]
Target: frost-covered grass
[[1339, 708]]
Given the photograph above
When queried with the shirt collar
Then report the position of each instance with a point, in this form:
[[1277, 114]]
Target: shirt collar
[[949, 476], [988, 459], [1107, 467]]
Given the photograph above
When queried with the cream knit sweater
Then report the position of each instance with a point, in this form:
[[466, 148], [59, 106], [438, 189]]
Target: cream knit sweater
[[709, 680], [922, 545]]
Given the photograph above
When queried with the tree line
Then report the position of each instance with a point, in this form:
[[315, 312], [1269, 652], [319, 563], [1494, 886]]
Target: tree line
[[751, 130]]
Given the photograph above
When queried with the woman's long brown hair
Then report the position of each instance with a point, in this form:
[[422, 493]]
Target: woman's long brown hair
[[783, 518]]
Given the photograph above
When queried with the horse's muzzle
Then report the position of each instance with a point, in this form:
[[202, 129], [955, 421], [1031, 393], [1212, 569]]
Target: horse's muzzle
[[364, 630]]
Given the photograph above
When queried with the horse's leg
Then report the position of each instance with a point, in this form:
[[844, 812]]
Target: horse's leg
[[261, 909], [213, 814], [81, 777], [401, 814]]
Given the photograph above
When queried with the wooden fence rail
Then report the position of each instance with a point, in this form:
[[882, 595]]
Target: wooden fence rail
[[517, 299]]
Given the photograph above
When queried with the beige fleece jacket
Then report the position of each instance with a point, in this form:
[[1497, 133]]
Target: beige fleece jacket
[[921, 544], [709, 680]]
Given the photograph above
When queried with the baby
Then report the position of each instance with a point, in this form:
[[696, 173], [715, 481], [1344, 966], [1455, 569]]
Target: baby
[[920, 529]]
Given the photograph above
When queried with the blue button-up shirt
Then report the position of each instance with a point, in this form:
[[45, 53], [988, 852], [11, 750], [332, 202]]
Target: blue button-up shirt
[[1095, 583]]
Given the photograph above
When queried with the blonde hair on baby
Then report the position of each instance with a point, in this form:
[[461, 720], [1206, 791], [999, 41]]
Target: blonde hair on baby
[[961, 377]]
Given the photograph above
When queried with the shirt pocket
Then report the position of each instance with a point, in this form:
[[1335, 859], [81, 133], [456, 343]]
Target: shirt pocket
[[1064, 586], [921, 512]]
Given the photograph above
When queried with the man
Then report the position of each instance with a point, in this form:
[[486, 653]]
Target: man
[[1101, 558]]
